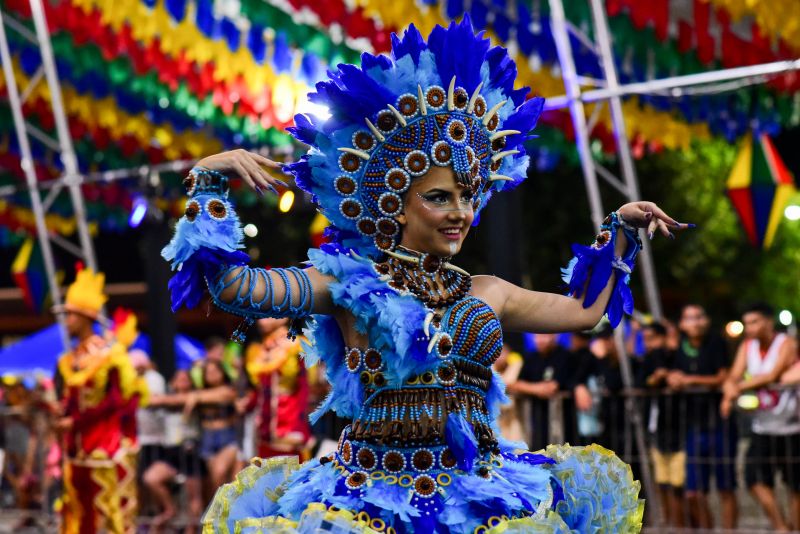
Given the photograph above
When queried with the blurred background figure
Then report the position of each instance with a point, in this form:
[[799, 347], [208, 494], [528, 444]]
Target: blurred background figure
[[545, 371], [278, 373], [700, 367], [762, 358], [508, 365], [180, 458], [667, 451]]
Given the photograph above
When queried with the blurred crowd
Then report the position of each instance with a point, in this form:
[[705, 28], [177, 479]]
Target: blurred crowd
[[194, 432], [717, 413], [713, 410]]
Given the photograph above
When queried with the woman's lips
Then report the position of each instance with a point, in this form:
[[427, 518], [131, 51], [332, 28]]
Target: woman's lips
[[454, 234]]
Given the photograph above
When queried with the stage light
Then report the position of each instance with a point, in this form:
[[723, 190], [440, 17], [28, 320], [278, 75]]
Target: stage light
[[792, 212], [734, 328], [250, 230], [286, 201], [138, 212], [304, 105], [785, 317]]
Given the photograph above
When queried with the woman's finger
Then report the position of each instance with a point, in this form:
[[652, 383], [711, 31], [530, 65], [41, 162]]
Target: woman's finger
[[661, 214], [261, 160], [243, 174], [662, 226], [651, 228], [257, 173]]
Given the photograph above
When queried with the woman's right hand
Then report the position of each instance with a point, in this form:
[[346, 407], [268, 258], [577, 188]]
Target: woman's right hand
[[248, 166]]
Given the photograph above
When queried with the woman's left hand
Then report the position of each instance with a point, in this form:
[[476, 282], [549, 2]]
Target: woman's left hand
[[644, 214]]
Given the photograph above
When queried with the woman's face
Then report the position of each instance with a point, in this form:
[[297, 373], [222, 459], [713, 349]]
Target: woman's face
[[214, 375], [181, 381], [438, 213]]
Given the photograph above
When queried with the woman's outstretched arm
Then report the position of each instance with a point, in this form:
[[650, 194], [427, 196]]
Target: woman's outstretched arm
[[206, 249], [597, 278]]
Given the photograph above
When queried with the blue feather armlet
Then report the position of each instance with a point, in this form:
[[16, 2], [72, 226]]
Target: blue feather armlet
[[591, 268]]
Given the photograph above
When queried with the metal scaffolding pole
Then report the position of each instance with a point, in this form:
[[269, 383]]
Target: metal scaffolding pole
[[558, 21], [630, 189], [72, 176], [603, 38], [30, 174]]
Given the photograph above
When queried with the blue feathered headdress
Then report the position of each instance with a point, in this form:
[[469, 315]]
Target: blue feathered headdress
[[448, 102]]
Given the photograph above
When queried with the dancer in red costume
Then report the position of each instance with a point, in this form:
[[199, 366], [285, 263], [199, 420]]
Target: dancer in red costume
[[275, 366], [98, 390]]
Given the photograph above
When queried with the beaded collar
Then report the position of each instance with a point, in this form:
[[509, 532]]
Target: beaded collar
[[432, 279]]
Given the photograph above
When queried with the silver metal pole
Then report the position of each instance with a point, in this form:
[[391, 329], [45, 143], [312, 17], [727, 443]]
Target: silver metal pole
[[558, 23], [72, 178], [632, 411], [603, 38], [674, 83], [30, 177]]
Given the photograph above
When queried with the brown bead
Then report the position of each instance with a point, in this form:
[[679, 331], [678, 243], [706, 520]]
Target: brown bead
[[393, 461], [386, 122], [366, 458], [364, 141], [460, 98]]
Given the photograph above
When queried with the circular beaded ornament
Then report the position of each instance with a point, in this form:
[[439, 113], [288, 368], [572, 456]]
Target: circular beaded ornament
[[347, 452], [365, 458], [407, 105], [357, 479], [366, 226], [394, 461], [386, 121], [435, 97], [422, 460], [416, 163], [353, 360], [460, 98], [349, 162], [441, 153], [424, 486], [192, 210], [350, 208], [363, 140], [372, 359], [397, 180], [345, 185], [216, 209]]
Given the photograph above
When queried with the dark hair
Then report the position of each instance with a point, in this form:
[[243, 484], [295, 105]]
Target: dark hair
[[759, 307], [214, 341], [657, 328], [605, 332], [226, 380], [693, 305]]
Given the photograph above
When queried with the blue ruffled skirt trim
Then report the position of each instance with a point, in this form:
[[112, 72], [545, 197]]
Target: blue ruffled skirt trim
[[566, 489]]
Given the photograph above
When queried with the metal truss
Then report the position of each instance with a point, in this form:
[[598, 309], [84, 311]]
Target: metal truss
[[609, 90], [62, 144]]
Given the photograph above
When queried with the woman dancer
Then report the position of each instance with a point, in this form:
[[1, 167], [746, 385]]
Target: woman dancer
[[416, 144]]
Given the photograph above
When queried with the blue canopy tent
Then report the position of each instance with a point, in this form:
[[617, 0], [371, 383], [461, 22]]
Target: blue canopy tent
[[37, 354]]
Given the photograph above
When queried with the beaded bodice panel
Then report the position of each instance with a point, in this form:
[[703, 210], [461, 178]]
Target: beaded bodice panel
[[466, 340]]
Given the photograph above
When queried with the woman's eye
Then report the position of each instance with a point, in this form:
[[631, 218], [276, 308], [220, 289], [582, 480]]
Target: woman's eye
[[438, 199]]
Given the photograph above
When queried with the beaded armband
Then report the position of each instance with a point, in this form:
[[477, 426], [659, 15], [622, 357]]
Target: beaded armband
[[244, 304], [206, 249], [589, 271]]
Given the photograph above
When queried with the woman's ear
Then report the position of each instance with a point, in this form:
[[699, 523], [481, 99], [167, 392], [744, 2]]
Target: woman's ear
[[401, 218]]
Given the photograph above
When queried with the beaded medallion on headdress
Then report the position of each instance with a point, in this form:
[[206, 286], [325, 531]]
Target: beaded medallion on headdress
[[448, 102]]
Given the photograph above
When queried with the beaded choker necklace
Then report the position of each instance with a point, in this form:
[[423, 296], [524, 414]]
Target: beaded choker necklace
[[430, 278]]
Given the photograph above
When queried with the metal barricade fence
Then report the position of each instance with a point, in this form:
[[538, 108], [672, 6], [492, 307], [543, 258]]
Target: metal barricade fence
[[688, 446], [715, 453], [31, 468]]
